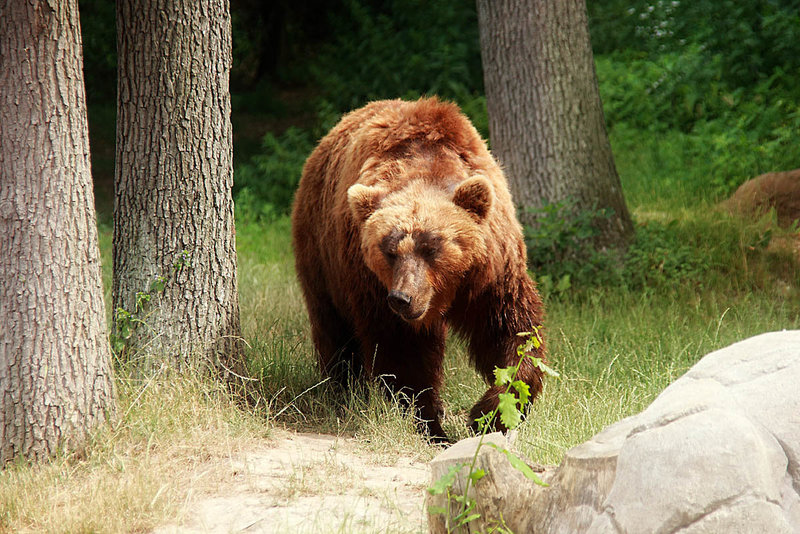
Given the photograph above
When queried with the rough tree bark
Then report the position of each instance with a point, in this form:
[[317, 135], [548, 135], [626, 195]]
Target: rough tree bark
[[55, 362], [173, 213], [546, 120]]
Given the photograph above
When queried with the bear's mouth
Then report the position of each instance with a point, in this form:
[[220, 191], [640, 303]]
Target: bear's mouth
[[402, 304], [411, 316]]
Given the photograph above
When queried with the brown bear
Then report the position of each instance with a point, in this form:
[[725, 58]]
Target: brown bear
[[403, 227]]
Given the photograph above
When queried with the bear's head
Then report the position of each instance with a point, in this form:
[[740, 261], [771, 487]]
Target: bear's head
[[421, 240]]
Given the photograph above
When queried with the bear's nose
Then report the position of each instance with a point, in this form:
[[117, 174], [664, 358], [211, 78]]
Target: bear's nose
[[399, 302]]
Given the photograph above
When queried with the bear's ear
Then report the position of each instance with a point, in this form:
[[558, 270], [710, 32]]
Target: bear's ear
[[474, 195], [363, 200]]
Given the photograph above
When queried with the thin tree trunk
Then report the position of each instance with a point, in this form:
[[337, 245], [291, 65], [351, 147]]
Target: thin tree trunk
[[545, 116], [55, 369], [173, 214]]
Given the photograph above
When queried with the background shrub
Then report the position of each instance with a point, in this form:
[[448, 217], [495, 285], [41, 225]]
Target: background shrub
[[264, 187], [400, 48]]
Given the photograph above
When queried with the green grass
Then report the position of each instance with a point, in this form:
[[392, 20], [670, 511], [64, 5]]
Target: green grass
[[617, 352], [659, 170], [615, 349]]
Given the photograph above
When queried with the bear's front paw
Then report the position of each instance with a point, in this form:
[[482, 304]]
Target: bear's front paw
[[429, 420], [486, 405]]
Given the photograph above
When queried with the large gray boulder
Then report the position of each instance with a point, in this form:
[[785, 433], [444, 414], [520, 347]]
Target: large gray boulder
[[717, 451]]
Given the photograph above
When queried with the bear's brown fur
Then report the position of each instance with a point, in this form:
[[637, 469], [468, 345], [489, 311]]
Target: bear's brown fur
[[403, 226]]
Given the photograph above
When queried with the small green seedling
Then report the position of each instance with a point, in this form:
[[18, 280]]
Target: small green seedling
[[510, 408]]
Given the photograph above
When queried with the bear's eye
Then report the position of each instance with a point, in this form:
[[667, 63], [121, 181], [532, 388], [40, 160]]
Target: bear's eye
[[427, 252], [428, 245], [390, 243]]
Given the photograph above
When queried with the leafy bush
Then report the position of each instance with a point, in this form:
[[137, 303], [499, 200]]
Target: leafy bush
[[405, 48], [560, 249], [708, 249], [264, 187], [750, 40], [668, 91], [673, 64], [761, 138], [660, 257], [731, 135]]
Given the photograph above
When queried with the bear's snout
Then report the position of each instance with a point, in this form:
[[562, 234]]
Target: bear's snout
[[410, 292], [399, 302]]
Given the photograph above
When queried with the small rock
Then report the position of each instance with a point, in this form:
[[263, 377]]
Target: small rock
[[773, 190]]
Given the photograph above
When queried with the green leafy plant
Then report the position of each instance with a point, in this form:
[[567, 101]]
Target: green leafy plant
[[511, 408], [127, 322], [662, 255], [750, 39], [440, 52], [264, 187], [668, 66], [561, 251]]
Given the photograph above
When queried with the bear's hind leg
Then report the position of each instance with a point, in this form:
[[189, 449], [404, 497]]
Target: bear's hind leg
[[338, 350]]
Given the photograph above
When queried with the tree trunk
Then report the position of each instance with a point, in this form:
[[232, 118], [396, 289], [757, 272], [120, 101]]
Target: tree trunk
[[55, 368], [545, 116], [174, 237]]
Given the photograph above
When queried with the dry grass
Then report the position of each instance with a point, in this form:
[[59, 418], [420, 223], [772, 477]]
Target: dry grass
[[175, 437], [326, 476]]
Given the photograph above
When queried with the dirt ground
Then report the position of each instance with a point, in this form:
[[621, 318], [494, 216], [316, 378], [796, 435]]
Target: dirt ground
[[304, 483]]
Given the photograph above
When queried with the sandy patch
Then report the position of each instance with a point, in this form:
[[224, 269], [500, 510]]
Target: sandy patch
[[311, 483]]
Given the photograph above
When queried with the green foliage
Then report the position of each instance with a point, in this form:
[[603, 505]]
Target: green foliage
[[722, 72], [127, 322], [404, 48], [752, 39], [761, 137], [748, 40], [659, 257], [671, 90], [511, 410], [265, 186], [704, 250], [732, 135], [560, 249]]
